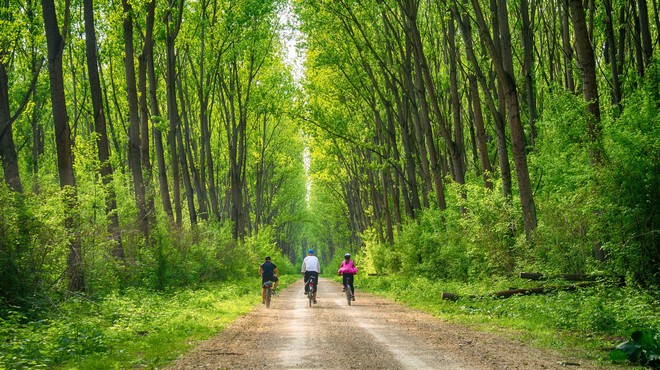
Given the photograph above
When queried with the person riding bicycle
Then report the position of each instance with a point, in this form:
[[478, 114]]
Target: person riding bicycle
[[311, 267], [348, 270], [269, 272]]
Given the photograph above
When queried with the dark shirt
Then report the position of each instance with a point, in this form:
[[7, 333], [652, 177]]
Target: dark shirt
[[268, 269]]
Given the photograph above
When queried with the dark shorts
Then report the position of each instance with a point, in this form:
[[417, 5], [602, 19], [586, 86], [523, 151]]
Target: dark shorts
[[316, 277], [272, 278]]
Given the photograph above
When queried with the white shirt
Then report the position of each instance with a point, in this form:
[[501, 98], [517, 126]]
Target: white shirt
[[311, 263]]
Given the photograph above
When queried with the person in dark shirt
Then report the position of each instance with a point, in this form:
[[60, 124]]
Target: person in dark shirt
[[269, 272]]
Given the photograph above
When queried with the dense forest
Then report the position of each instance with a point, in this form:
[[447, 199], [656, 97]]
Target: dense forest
[[163, 143]]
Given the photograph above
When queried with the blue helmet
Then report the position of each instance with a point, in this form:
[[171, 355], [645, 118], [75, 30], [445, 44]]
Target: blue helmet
[[311, 251]]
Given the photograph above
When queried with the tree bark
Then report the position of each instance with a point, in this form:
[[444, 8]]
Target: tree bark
[[145, 160], [173, 26], [134, 161], [185, 158], [587, 63], [503, 62], [55, 44], [528, 65], [612, 53], [8, 154], [486, 168], [156, 118], [644, 25], [102, 144], [567, 48]]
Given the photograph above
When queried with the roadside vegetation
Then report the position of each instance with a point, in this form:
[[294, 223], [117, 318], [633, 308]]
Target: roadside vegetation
[[589, 322]]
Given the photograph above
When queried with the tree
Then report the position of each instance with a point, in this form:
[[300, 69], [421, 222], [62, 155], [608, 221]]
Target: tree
[[105, 169], [134, 160], [587, 64], [56, 43]]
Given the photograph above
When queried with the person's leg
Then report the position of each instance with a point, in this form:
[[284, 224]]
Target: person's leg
[[316, 286]]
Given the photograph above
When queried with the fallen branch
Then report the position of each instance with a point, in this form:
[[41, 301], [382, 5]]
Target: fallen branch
[[512, 292], [572, 277]]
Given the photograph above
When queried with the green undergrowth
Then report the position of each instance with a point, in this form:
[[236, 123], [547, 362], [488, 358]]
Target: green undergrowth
[[589, 321], [135, 329]]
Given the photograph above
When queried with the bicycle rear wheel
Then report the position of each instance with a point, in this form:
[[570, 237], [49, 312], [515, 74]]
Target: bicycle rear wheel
[[268, 294], [348, 294]]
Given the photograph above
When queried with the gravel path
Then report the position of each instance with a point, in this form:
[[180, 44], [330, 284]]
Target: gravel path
[[373, 333]]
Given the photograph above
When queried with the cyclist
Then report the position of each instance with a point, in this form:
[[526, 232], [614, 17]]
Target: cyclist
[[269, 272], [311, 267], [348, 271]]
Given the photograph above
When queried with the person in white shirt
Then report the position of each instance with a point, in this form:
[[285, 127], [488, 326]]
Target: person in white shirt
[[311, 267]]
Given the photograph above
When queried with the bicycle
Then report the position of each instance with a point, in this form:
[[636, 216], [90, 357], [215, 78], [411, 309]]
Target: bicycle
[[348, 289], [269, 292], [311, 286]]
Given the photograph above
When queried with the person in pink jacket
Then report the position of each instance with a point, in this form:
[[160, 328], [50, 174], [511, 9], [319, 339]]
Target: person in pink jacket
[[348, 271]]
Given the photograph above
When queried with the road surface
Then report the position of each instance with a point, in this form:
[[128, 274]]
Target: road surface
[[373, 333]]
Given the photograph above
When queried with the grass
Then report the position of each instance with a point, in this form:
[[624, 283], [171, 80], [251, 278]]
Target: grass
[[588, 322], [137, 328]]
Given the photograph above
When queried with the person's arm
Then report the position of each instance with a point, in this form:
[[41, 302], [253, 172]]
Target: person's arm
[[277, 272], [304, 267], [260, 271]]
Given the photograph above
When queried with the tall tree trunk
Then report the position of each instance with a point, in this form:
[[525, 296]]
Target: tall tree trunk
[[590, 86], [612, 54], [143, 62], [185, 158], [528, 65], [644, 25], [456, 105], [503, 62], [502, 153], [173, 26], [102, 144], [156, 119], [63, 139], [8, 154], [134, 121], [410, 10], [567, 48], [486, 169]]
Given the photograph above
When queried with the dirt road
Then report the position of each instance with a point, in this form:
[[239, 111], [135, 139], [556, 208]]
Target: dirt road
[[373, 333]]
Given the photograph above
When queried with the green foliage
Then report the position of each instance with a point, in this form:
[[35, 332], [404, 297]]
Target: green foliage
[[135, 328], [587, 319]]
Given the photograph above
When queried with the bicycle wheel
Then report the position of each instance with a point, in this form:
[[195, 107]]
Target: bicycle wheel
[[268, 293], [348, 294], [310, 295]]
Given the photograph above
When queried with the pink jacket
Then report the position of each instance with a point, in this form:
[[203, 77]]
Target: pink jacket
[[347, 267]]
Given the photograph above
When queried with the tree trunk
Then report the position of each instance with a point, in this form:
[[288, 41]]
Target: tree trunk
[[102, 145], [590, 86], [567, 48], [612, 54], [134, 121], [647, 46], [528, 65], [156, 118], [8, 154], [173, 109], [503, 61], [63, 139], [185, 159], [503, 156], [486, 169], [143, 62]]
